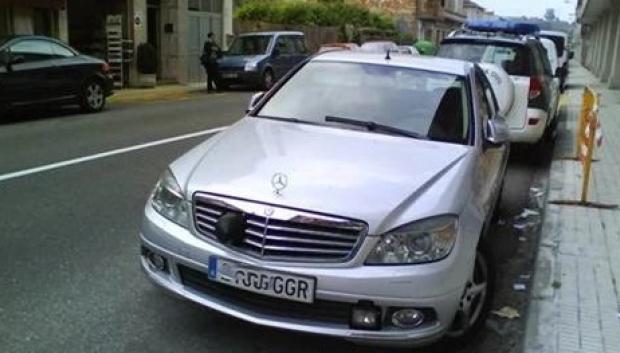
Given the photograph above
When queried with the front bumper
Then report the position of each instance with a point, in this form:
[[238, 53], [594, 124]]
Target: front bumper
[[337, 290], [240, 77]]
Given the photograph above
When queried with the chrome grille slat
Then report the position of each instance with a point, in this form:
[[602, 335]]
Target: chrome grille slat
[[285, 234]]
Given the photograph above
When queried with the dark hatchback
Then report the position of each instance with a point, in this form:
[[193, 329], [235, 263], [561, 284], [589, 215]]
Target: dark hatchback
[[260, 59], [42, 70]]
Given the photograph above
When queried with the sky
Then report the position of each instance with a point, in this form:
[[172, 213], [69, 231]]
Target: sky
[[564, 9]]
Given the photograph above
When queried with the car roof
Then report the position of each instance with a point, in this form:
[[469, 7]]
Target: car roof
[[271, 33], [492, 38], [554, 33], [27, 36], [426, 63]]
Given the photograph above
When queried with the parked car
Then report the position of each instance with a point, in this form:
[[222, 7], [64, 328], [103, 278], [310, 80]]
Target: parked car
[[338, 46], [524, 58], [408, 49], [351, 201], [260, 59], [379, 46], [42, 70], [560, 39]]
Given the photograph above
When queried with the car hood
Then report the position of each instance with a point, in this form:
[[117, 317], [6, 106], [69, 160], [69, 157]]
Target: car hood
[[238, 60], [341, 172]]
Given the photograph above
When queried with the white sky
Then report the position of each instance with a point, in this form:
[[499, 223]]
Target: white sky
[[564, 9]]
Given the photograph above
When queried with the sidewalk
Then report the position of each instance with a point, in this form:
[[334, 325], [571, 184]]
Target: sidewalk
[[575, 301], [158, 93]]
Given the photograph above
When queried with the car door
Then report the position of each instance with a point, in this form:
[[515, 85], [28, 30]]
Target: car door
[[284, 55], [548, 84], [68, 72], [27, 80], [492, 161], [301, 50]]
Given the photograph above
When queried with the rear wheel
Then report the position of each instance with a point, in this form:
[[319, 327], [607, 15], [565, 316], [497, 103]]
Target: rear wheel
[[476, 300], [92, 97]]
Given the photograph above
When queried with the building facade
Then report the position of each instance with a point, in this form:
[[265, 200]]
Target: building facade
[[473, 11], [600, 39], [425, 19], [176, 28], [43, 17]]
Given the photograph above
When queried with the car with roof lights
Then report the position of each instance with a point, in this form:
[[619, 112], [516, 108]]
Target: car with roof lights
[[352, 201], [515, 48]]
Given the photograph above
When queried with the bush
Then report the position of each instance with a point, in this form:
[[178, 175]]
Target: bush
[[313, 13], [147, 59]]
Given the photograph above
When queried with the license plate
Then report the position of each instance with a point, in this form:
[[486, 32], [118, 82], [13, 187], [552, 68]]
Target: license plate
[[270, 283], [230, 75]]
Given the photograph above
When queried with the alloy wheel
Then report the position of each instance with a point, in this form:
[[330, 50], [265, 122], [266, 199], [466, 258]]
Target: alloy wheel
[[94, 96], [473, 299]]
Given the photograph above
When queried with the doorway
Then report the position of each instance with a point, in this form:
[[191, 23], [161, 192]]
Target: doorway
[[152, 30]]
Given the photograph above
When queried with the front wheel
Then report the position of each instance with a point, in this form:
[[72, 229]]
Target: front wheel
[[92, 97], [476, 300]]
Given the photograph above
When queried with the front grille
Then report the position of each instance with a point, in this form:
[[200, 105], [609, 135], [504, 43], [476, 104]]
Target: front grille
[[284, 235], [319, 311]]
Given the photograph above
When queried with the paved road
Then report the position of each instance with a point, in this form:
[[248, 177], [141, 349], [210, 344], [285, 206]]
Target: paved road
[[69, 274]]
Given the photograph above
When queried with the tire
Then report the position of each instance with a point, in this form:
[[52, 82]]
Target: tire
[[267, 80], [467, 326], [92, 97]]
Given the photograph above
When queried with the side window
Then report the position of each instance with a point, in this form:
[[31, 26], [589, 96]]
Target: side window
[[290, 45], [61, 51], [536, 60], [284, 45], [33, 50], [301, 45]]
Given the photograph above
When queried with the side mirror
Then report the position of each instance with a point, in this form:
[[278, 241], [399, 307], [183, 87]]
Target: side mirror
[[558, 72], [497, 132], [571, 55], [256, 97]]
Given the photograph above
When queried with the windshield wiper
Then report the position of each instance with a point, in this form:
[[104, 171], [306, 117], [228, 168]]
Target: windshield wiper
[[289, 120], [373, 126]]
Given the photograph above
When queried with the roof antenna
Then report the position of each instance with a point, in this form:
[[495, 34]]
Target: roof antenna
[[387, 55]]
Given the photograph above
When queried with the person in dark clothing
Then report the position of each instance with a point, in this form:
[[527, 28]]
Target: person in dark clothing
[[210, 54]]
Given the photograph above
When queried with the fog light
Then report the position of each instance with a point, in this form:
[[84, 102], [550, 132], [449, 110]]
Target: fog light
[[157, 262], [366, 317], [533, 121], [407, 318]]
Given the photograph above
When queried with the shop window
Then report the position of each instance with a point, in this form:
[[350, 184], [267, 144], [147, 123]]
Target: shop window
[[193, 5]]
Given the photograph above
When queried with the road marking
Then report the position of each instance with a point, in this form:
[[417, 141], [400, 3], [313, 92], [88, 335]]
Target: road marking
[[57, 165]]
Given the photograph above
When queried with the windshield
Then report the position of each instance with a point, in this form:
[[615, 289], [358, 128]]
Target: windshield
[[250, 45], [513, 58], [429, 104], [558, 41]]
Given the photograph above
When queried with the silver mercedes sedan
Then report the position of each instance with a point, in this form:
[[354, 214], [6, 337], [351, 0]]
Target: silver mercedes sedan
[[351, 201]]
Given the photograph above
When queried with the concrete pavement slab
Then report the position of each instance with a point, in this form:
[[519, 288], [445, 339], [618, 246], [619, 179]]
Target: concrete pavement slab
[[575, 302]]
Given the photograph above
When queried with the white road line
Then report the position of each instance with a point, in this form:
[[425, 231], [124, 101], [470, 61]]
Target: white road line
[[45, 168]]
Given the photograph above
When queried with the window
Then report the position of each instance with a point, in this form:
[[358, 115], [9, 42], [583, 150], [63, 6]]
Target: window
[[250, 45], [33, 50], [4, 21], [514, 58], [429, 103], [214, 6], [61, 51], [300, 45], [286, 45]]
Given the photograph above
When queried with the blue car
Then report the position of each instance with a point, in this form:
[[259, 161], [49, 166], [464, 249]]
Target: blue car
[[260, 59]]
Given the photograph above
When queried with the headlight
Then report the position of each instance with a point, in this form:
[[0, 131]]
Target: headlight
[[168, 200], [425, 241], [251, 66]]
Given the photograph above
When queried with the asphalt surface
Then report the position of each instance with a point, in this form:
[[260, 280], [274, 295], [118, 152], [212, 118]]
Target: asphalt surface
[[69, 274]]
